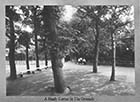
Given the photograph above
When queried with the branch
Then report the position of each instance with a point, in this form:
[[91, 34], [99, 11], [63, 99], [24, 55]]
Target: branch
[[121, 24], [7, 34], [7, 18]]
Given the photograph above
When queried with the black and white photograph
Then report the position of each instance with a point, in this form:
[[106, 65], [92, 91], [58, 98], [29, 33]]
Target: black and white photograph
[[68, 50]]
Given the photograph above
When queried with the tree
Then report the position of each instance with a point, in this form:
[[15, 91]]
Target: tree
[[11, 16], [96, 54], [32, 14], [46, 51], [113, 56], [24, 31], [115, 26], [95, 13], [50, 22], [24, 39], [36, 34], [44, 45]]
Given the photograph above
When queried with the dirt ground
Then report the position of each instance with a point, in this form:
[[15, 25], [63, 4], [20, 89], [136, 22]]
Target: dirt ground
[[79, 78]]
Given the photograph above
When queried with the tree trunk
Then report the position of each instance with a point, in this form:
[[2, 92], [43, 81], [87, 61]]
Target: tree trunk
[[36, 41], [56, 54], [12, 52], [57, 72], [113, 57], [46, 59], [56, 59], [96, 51], [36, 51], [27, 58]]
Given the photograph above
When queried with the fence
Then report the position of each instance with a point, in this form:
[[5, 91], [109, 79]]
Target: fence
[[23, 62]]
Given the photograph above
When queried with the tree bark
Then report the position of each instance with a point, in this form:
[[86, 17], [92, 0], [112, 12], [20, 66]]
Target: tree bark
[[57, 72], [56, 54], [27, 58], [56, 59], [112, 78], [12, 52], [36, 40], [96, 51]]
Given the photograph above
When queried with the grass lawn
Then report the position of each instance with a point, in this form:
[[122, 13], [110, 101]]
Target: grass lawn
[[79, 78]]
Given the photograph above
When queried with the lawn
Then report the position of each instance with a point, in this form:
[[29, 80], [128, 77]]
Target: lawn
[[79, 78]]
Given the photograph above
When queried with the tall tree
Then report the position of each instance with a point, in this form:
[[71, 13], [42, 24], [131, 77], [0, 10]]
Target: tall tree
[[116, 24], [46, 52], [95, 13], [25, 31], [24, 39], [50, 22], [32, 14], [113, 56], [36, 34], [11, 16]]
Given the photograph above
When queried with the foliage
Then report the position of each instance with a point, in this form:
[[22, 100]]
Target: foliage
[[77, 37]]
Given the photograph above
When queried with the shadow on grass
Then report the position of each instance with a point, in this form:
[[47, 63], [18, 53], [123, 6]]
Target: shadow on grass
[[93, 73], [80, 81]]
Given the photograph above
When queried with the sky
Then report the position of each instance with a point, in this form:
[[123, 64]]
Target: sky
[[68, 13]]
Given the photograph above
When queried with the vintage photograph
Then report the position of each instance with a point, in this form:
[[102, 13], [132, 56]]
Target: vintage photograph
[[66, 50]]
